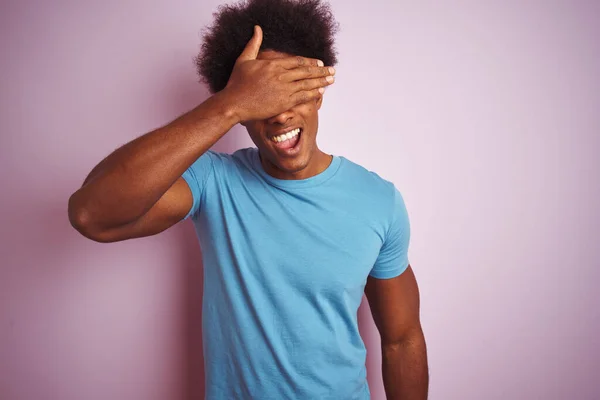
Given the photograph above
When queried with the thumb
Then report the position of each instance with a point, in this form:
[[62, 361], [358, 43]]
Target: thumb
[[253, 46]]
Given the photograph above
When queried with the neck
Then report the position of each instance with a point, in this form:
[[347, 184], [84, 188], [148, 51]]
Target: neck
[[317, 164]]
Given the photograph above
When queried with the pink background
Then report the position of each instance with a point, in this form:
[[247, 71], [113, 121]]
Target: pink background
[[486, 116]]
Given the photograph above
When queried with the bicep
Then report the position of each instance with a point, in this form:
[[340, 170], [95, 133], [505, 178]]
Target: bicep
[[171, 208], [394, 304]]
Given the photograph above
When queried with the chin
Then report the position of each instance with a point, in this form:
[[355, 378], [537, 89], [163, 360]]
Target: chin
[[291, 166], [288, 160]]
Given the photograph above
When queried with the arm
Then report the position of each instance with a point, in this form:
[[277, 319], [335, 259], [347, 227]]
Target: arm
[[138, 190], [394, 305]]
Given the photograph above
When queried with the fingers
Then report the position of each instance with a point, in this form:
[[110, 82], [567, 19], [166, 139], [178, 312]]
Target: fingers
[[307, 72], [305, 96], [250, 52], [313, 83], [298, 61]]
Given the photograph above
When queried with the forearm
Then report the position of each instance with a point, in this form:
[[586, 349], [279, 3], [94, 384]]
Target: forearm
[[126, 184], [405, 370]]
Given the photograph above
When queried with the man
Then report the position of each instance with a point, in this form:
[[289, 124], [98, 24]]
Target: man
[[291, 236]]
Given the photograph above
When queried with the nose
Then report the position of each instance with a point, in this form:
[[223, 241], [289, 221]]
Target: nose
[[282, 118]]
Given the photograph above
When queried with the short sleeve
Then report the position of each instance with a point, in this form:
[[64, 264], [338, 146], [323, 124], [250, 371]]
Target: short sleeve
[[196, 177], [393, 256]]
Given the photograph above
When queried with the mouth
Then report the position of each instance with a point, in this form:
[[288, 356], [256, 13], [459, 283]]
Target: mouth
[[287, 143]]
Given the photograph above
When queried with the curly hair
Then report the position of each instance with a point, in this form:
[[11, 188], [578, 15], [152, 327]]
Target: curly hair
[[300, 27]]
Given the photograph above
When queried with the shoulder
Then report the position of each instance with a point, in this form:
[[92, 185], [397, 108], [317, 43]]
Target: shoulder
[[225, 162], [380, 197], [244, 156], [379, 190]]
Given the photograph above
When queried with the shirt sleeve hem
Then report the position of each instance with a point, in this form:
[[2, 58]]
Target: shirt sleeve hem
[[188, 179], [389, 274]]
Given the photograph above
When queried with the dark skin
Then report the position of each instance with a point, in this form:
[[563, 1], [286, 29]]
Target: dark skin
[[310, 160], [138, 191], [395, 307]]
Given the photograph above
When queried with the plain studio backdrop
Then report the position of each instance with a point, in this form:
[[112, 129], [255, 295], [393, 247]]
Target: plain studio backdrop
[[486, 116]]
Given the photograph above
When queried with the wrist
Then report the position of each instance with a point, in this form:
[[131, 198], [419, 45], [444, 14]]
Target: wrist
[[229, 106]]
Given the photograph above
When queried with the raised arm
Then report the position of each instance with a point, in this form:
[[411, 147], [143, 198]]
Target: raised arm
[[138, 190]]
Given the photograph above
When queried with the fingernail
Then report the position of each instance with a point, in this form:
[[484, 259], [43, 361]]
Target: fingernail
[[321, 90], [329, 79], [331, 70], [320, 63]]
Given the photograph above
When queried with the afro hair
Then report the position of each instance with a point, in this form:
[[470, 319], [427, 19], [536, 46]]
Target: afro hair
[[299, 27]]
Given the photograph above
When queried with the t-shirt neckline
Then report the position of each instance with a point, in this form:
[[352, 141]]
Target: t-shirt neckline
[[315, 180]]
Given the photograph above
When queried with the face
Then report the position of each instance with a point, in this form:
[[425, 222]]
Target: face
[[297, 157]]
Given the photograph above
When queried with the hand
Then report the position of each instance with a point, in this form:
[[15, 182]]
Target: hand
[[260, 89]]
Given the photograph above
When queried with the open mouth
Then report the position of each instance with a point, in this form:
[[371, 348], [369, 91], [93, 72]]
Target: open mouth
[[288, 142]]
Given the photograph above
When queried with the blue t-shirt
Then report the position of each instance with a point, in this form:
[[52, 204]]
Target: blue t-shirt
[[285, 266]]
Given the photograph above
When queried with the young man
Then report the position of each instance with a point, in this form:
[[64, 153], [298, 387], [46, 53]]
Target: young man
[[291, 236]]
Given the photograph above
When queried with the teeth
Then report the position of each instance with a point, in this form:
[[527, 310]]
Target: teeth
[[286, 136]]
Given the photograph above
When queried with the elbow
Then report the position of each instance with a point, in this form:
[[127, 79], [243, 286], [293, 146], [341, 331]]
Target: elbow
[[81, 219], [399, 340]]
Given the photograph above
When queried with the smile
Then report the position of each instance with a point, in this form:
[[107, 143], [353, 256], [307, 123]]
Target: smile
[[288, 143], [286, 136]]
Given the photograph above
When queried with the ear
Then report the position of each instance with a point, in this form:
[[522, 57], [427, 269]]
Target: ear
[[319, 102]]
